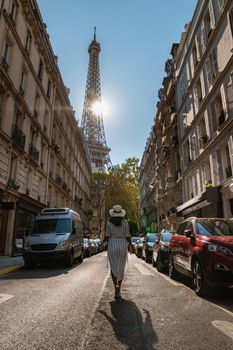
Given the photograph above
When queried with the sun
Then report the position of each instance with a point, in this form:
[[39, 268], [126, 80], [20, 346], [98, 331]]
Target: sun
[[99, 108]]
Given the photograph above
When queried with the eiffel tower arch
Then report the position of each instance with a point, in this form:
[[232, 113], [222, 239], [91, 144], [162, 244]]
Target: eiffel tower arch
[[94, 137]]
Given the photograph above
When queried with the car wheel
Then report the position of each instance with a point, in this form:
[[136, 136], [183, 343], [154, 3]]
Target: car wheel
[[80, 258], [199, 284], [70, 259], [173, 273], [28, 264], [147, 260], [159, 264]]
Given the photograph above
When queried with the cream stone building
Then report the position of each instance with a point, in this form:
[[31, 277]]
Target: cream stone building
[[204, 98], [195, 114], [43, 161]]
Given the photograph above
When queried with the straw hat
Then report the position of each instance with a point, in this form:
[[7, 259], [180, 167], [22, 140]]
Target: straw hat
[[117, 211]]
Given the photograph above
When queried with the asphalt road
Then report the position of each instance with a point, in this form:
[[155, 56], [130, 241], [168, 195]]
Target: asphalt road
[[55, 308]]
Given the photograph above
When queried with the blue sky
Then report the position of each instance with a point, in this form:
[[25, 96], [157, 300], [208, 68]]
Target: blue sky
[[136, 38]]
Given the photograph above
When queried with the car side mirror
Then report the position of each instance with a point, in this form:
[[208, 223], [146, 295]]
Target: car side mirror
[[189, 233]]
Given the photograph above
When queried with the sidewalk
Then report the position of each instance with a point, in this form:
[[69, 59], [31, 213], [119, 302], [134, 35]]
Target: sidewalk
[[10, 264]]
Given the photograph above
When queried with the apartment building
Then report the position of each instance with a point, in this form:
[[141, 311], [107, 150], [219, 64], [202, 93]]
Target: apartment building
[[204, 99], [43, 161], [160, 172]]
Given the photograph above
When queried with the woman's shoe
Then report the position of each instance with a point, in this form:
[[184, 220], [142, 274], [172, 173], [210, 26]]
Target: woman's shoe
[[117, 292]]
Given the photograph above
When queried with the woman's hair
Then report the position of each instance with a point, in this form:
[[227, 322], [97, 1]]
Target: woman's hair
[[116, 220]]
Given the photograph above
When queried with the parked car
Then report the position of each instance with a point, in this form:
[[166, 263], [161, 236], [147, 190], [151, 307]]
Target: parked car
[[86, 248], [147, 247], [138, 247], [134, 241], [160, 257], [202, 249]]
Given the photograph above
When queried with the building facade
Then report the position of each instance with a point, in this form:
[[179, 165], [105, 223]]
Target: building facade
[[204, 98], [42, 158], [192, 134]]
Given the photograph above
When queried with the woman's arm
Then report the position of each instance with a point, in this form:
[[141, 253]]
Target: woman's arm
[[130, 244]]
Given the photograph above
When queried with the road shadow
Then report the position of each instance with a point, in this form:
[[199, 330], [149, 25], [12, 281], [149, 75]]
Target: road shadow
[[222, 297], [131, 327], [45, 270]]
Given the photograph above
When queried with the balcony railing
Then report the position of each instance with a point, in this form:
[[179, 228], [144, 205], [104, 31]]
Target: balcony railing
[[33, 153], [228, 172], [18, 136]]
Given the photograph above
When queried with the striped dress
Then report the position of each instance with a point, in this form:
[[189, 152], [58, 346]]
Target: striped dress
[[117, 247]]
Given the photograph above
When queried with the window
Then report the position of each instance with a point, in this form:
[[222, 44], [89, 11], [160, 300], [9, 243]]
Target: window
[[194, 55], [221, 4], [28, 42], [36, 108], [5, 56], [212, 66], [13, 11], [49, 88], [22, 83], [231, 20], [41, 69], [207, 25], [199, 91], [13, 167]]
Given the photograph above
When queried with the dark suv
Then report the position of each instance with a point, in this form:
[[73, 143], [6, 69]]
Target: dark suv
[[202, 248]]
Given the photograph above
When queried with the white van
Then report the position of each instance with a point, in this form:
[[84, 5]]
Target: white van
[[57, 233]]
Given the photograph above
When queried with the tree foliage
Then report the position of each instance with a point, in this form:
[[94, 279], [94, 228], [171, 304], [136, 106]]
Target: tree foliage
[[122, 187]]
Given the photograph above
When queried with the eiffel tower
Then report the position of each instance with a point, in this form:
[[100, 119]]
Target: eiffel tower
[[92, 122]]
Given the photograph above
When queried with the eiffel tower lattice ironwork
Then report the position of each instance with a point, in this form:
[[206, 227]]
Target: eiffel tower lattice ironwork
[[92, 122]]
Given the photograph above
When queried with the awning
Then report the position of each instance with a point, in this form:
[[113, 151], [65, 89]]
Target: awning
[[189, 203], [195, 207]]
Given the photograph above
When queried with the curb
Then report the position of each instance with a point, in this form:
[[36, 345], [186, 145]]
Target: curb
[[11, 269]]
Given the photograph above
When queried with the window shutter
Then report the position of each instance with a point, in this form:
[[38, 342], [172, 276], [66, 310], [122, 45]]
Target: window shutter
[[202, 84], [208, 72], [195, 98], [203, 37], [215, 61], [212, 18]]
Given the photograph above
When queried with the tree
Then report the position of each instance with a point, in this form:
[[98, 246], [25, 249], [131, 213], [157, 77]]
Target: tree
[[122, 187]]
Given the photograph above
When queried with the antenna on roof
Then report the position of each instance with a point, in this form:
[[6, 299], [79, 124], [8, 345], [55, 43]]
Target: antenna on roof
[[94, 33]]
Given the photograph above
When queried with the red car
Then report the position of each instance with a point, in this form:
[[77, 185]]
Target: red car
[[202, 249]]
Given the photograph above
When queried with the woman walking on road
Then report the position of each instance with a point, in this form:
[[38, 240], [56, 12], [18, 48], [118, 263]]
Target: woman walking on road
[[118, 237]]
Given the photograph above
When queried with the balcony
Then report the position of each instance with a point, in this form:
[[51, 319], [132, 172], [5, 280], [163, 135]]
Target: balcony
[[18, 136], [170, 183], [33, 153], [228, 172]]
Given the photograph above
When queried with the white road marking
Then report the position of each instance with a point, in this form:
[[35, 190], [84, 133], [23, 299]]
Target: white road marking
[[143, 270], [225, 327], [5, 297]]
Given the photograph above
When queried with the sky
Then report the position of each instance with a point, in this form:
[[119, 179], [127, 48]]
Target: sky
[[136, 37]]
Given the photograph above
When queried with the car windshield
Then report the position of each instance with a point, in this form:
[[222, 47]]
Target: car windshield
[[166, 236], [85, 240], [151, 238], [51, 226], [215, 227], [134, 239]]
